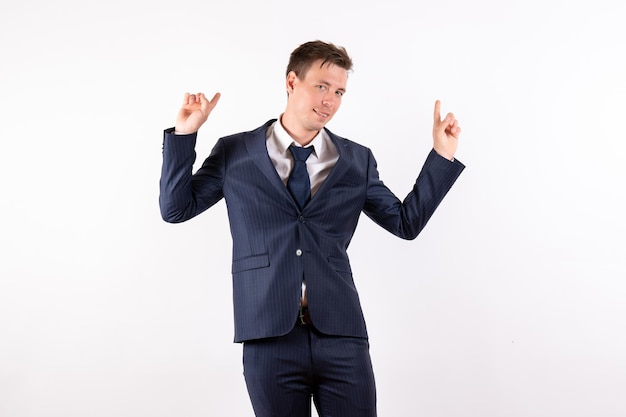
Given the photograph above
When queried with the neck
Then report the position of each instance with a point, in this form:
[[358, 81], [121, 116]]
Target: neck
[[300, 135]]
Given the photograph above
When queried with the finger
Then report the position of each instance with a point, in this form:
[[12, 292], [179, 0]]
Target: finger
[[204, 103], [449, 121], [454, 129], [437, 114], [186, 99], [210, 105], [216, 98], [455, 125]]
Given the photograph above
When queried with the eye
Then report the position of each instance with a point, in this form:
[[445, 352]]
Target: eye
[[339, 93], [321, 87]]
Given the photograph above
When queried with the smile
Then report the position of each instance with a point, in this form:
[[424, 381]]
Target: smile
[[324, 115]]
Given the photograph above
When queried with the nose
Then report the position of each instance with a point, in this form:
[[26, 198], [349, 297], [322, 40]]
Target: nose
[[329, 99]]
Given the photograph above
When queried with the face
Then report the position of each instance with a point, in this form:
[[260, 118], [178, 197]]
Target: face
[[314, 100]]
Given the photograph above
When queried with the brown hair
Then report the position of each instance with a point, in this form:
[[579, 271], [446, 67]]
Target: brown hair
[[306, 54]]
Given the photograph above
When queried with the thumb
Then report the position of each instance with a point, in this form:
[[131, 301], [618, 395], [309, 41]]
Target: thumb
[[208, 106]]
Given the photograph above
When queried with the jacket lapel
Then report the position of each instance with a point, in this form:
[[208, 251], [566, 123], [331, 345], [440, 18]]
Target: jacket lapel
[[340, 168], [256, 144]]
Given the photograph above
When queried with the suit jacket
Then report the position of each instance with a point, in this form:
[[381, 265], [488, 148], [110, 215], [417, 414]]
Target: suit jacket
[[275, 243]]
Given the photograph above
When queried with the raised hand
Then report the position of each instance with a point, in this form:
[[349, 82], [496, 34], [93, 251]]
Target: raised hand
[[445, 133], [194, 112]]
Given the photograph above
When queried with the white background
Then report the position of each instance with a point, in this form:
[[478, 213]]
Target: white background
[[511, 303]]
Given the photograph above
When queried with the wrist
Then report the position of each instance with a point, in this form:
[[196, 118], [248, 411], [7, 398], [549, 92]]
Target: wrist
[[449, 157]]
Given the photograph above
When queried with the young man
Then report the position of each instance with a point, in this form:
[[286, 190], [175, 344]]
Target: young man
[[294, 192]]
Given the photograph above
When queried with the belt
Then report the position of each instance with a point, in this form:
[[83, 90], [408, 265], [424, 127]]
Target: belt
[[304, 318]]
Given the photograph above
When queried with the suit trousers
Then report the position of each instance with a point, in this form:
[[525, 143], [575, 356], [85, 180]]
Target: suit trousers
[[283, 373]]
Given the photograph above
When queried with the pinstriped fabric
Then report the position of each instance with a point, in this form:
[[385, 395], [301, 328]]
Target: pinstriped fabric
[[284, 374], [275, 243]]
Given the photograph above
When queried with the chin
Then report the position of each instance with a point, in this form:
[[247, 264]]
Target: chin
[[324, 122], [317, 125]]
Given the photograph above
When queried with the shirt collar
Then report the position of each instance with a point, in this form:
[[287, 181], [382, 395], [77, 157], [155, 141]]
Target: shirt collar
[[284, 140]]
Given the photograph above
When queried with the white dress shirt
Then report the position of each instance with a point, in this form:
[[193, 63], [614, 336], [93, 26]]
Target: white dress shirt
[[318, 164]]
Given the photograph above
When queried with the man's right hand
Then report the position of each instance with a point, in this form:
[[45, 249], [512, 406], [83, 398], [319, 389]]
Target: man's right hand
[[194, 112]]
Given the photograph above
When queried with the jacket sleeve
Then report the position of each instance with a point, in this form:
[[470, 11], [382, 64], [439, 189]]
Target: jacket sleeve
[[406, 219], [184, 195]]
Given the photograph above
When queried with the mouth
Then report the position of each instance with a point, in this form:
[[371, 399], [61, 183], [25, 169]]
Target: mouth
[[322, 114]]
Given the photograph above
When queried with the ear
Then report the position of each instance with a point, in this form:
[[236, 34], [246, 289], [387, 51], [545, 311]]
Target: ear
[[292, 80]]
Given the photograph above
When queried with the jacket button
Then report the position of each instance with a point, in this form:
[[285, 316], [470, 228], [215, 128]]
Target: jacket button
[[299, 252], [301, 219]]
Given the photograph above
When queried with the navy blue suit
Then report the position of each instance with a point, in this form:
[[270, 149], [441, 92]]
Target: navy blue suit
[[275, 243]]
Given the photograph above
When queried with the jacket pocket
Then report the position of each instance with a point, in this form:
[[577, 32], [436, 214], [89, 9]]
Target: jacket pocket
[[340, 265], [251, 262]]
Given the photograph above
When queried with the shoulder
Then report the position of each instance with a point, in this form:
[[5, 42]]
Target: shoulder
[[259, 132], [348, 146]]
